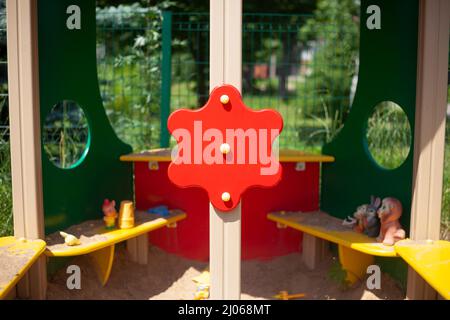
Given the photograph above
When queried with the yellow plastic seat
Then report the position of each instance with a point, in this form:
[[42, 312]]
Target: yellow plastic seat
[[19, 255], [356, 250], [99, 242], [430, 259]]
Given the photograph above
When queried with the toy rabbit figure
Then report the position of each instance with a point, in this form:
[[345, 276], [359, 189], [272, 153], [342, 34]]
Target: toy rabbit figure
[[389, 214], [372, 222], [110, 213], [366, 218]]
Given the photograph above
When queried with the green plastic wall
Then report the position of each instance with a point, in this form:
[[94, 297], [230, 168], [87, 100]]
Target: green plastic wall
[[388, 64], [68, 71]]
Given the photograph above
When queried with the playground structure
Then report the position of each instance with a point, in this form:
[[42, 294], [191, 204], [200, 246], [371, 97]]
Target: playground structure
[[335, 182]]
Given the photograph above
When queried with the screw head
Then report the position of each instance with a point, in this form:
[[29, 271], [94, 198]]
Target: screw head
[[224, 99], [225, 148], [226, 197]]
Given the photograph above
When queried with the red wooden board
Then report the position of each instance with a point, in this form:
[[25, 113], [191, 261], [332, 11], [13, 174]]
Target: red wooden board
[[200, 133], [261, 239]]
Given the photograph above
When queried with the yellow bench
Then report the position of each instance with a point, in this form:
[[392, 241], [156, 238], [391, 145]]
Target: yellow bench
[[430, 259], [16, 257], [356, 251], [99, 242]]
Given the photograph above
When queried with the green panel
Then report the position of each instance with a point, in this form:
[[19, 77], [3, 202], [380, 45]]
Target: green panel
[[388, 62], [68, 71]]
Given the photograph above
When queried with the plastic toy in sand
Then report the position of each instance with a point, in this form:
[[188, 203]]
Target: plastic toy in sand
[[163, 211], [283, 295], [70, 240]]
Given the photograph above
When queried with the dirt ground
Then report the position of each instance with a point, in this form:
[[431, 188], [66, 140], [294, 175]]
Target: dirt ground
[[170, 277]]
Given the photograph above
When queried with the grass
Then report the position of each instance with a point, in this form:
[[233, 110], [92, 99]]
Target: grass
[[445, 212], [389, 135]]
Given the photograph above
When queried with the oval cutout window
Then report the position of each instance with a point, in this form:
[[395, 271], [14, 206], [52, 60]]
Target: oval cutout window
[[388, 135], [66, 134]]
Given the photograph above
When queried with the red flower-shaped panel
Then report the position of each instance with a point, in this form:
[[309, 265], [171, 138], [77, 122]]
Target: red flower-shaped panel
[[225, 147]]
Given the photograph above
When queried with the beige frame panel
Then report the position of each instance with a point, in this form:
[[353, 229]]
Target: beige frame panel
[[429, 135], [23, 83], [225, 228]]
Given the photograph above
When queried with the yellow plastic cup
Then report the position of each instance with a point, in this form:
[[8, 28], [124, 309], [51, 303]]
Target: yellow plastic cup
[[126, 215]]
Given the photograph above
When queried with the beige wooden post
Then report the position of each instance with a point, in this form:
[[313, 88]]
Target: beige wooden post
[[434, 24], [23, 87], [225, 228]]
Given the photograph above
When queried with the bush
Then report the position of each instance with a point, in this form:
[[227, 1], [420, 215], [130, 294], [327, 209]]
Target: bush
[[6, 220]]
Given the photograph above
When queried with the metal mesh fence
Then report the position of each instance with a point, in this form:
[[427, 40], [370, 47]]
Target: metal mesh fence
[[128, 62], [304, 72], [445, 219], [5, 163]]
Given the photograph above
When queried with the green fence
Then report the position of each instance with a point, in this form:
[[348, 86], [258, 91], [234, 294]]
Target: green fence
[[5, 165]]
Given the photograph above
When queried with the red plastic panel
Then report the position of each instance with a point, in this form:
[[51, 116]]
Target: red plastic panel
[[249, 134], [261, 239]]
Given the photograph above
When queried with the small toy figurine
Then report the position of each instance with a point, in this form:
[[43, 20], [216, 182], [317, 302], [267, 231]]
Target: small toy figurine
[[69, 239], [365, 219], [359, 218], [109, 210], [372, 222], [389, 214]]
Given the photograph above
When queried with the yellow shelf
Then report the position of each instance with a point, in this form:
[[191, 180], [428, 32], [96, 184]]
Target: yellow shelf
[[20, 256], [164, 155], [429, 259], [288, 155], [333, 231], [95, 236], [160, 155]]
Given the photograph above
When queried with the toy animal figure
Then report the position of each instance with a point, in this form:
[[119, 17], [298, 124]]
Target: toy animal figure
[[389, 214], [360, 217], [366, 219], [70, 239], [109, 210], [372, 222]]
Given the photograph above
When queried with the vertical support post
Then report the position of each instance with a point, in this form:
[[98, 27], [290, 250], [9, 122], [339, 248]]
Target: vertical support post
[[166, 76], [26, 168], [315, 250], [429, 136], [225, 228]]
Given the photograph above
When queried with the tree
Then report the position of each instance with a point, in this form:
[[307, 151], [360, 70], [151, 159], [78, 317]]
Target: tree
[[334, 30]]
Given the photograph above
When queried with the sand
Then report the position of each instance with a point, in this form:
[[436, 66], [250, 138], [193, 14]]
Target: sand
[[168, 276]]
